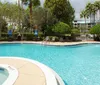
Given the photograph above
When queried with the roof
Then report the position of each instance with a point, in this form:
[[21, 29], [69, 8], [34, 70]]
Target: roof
[[83, 21]]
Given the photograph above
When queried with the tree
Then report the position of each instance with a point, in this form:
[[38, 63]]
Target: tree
[[97, 6], [42, 18], [62, 9], [74, 33], [31, 3], [91, 10], [84, 14], [3, 26], [95, 30], [12, 14], [61, 28]]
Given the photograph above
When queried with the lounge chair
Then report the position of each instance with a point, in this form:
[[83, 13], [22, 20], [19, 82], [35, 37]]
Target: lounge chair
[[53, 39], [46, 40], [61, 40]]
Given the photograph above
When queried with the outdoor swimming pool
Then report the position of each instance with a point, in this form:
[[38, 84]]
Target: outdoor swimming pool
[[3, 75], [77, 65]]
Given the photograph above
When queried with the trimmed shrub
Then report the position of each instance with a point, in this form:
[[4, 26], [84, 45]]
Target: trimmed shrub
[[3, 39], [95, 30], [28, 36], [75, 33], [61, 28]]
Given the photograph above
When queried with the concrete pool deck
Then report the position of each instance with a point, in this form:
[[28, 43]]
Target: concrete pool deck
[[50, 43], [29, 73]]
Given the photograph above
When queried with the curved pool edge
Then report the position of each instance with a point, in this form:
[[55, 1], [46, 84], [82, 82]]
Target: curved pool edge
[[52, 43], [49, 74], [13, 74]]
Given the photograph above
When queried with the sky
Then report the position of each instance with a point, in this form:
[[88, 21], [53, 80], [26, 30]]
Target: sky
[[78, 5]]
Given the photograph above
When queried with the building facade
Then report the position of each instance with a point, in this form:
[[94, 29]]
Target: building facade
[[83, 25]]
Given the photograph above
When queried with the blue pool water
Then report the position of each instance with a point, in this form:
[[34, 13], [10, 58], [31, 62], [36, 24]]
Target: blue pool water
[[3, 75], [77, 65]]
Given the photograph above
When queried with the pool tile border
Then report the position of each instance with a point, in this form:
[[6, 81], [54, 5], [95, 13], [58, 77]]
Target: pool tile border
[[49, 76], [51, 43]]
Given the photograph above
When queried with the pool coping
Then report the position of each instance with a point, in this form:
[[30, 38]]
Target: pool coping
[[49, 76], [13, 74], [51, 43]]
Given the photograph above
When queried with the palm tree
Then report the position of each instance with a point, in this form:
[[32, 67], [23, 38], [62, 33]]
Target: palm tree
[[84, 14], [91, 10], [31, 3], [97, 6]]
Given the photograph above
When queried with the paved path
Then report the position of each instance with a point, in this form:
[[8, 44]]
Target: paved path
[[52, 43], [29, 73]]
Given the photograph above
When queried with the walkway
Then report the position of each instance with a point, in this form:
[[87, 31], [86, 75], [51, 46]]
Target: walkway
[[29, 73], [51, 43]]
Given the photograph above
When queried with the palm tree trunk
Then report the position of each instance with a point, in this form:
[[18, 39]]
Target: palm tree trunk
[[94, 18], [99, 14], [85, 26], [30, 6], [19, 14], [22, 21], [85, 22], [0, 30], [85, 29], [90, 18]]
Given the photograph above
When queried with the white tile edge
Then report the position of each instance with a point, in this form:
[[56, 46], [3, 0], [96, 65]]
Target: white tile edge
[[49, 74], [13, 74]]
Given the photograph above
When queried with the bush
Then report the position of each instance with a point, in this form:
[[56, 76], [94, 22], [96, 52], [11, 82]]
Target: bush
[[95, 30], [74, 33], [3, 39], [10, 27], [40, 34], [4, 35], [48, 31], [3, 25], [31, 36], [28, 36], [14, 36], [61, 28]]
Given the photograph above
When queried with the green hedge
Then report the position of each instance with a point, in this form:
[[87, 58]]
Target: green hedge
[[26, 36], [61, 28], [95, 30], [3, 39]]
